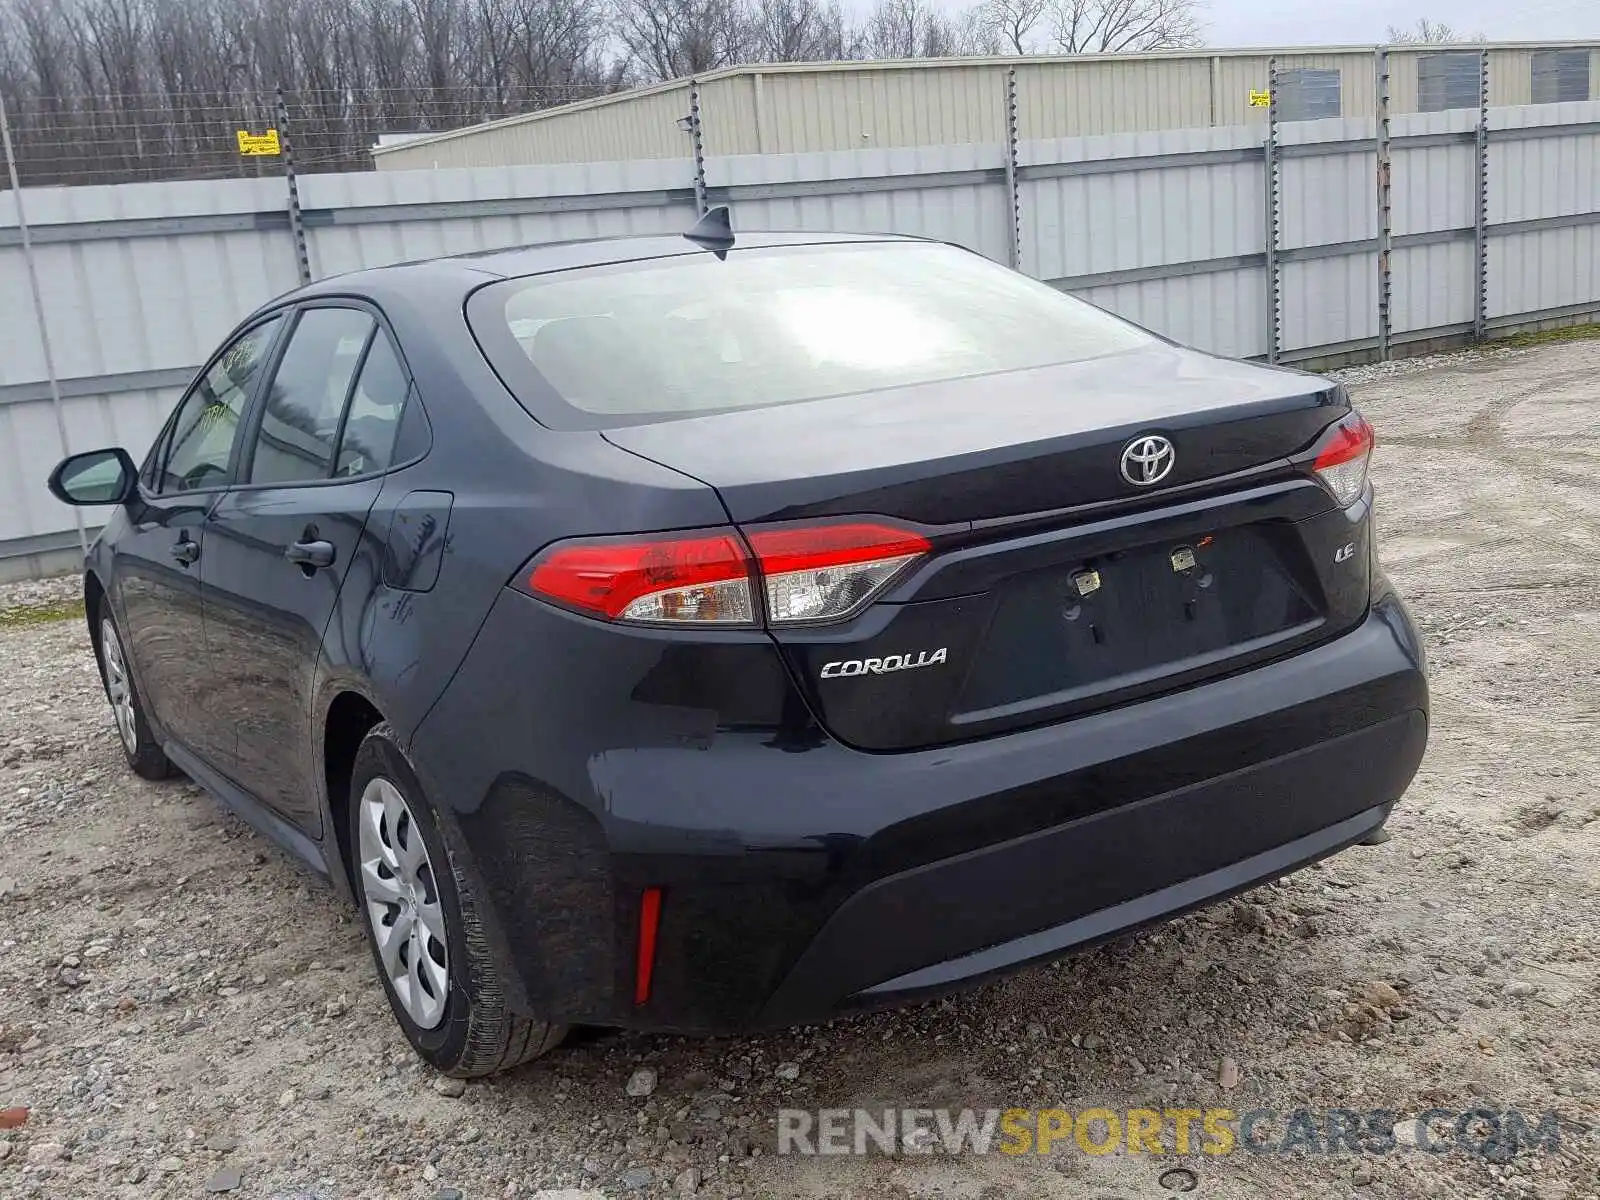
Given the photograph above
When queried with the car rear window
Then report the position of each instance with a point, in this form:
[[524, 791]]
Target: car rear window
[[682, 336]]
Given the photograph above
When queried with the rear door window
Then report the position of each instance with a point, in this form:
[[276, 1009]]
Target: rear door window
[[691, 334], [300, 422], [373, 423]]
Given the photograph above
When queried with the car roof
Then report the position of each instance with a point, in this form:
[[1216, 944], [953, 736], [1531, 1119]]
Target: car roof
[[471, 269]]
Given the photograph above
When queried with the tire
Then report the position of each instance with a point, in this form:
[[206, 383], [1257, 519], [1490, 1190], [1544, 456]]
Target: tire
[[463, 1028], [139, 745]]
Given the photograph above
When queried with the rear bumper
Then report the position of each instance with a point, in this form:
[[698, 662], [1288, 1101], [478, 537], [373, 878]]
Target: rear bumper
[[1112, 921], [802, 878], [1095, 879]]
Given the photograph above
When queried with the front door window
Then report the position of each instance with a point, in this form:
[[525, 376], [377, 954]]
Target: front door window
[[198, 444]]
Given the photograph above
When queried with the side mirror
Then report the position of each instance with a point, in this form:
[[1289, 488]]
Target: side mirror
[[95, 477]]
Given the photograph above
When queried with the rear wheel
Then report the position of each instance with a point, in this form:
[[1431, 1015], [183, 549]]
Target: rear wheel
[[422, 921], [139, 745]]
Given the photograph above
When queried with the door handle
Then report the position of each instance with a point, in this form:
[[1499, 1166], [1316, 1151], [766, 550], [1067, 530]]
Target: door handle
[[311, 554], [186, 551]]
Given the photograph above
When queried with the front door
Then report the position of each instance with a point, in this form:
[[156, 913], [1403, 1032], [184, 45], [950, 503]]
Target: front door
[[278, 546], [157, 565]]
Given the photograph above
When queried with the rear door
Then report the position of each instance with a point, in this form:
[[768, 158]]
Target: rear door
[[280, 542], [158, 559]]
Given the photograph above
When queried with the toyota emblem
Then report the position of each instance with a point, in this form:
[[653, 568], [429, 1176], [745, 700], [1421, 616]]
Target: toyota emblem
[[1147, 459]]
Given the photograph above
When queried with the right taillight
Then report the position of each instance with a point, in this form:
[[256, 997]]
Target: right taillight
[[830, 572], [806, 573], [1343, 456]]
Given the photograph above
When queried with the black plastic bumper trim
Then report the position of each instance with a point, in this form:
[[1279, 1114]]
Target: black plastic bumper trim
[[1141, 910]]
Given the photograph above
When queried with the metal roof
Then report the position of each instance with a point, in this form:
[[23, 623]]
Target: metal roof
[[746, 70]]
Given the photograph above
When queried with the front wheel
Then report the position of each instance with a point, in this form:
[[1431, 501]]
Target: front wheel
[[139, 745], [422, 920]]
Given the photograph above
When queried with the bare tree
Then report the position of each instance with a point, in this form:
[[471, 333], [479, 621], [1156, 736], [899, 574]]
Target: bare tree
[[667, 39], [1016, 23], [1430, 33], [1092, 26], [970, 32], [1124, 26], [130, 89], [561, 41], [917, 29], [802, 31]]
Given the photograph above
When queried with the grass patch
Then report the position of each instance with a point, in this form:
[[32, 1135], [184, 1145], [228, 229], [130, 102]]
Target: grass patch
[[39, 614], [1546, 337]]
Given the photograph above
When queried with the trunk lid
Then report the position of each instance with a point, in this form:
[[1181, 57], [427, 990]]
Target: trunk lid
[[1055, 585], [977, 449]]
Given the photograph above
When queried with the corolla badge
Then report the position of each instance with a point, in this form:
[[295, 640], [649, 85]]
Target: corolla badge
[[908, 661]]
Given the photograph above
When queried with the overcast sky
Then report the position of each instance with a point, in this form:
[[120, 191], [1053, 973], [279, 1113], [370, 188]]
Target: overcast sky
[[1272, 22]]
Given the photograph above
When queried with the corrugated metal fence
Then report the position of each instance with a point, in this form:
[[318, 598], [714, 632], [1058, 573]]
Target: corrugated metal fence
[[1170, 229]]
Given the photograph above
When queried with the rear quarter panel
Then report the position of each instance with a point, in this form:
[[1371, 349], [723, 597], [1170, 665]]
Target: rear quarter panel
[[513, 486]]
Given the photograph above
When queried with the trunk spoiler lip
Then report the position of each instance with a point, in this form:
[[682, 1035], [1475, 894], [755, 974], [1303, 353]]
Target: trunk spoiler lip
[[1197, 489], [951, 534]]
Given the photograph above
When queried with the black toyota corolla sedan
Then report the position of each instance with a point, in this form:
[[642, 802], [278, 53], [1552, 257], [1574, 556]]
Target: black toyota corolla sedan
[[699, 636]]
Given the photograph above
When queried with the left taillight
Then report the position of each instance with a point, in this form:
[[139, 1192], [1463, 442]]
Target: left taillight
[[805, 573], [700, 578], [1342, 458]]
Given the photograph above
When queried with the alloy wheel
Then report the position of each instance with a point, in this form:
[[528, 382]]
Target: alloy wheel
[[402, 902], [118, 689]]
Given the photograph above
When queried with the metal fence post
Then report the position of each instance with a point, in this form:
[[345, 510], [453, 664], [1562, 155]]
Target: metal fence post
[[297, 228], [38, 306], [1385, 212], [1013, 196], [1274, 214], [1480, 212], [697, 144]]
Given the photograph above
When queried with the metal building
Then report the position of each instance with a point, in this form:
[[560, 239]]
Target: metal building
[[797, 107]]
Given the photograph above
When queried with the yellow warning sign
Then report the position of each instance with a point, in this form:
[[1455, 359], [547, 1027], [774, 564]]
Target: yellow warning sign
[[1260, 99], [259, 143]]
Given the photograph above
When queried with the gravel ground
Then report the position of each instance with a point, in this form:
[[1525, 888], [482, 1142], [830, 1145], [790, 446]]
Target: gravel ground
[[181, 1009]]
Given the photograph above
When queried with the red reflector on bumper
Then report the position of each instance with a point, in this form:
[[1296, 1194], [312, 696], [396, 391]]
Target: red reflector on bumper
[[649, 920]]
